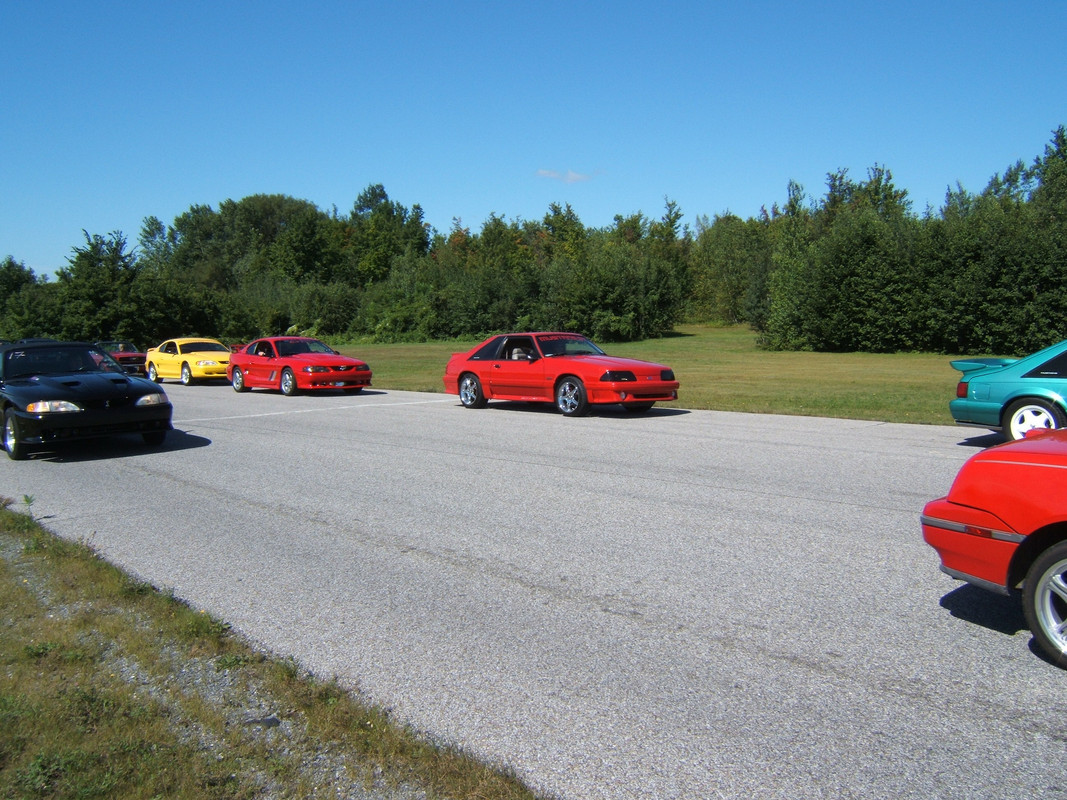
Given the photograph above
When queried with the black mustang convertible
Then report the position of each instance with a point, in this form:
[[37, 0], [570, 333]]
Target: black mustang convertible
[[55, 392]]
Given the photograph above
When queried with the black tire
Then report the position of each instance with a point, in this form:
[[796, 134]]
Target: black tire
[[187, 375], [16, 450], [470, 391], [1030, 414], [571, 399], [638, 408], [238, 380], [287, 382], [154, 438], [153, 374], [1045, 602]]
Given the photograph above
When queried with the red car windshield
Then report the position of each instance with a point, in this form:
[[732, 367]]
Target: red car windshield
[[562, 344]]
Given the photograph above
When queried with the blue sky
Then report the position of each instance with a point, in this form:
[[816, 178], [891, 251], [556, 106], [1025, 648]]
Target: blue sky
[[111, 112]]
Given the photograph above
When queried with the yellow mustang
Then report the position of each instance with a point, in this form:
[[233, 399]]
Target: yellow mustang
[[190, 359]]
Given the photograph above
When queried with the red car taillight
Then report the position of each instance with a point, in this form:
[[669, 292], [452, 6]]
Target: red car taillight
[[961, 389]]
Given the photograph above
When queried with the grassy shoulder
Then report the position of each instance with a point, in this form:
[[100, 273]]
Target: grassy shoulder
[[110, 688], [723, 369]]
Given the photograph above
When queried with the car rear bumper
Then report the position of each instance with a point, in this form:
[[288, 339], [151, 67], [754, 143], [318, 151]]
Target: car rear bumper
[[975, 413]]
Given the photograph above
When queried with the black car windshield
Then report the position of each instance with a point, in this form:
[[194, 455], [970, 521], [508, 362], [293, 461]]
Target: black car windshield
[[204, 347], [567, 344], [293, 347], [59, 360]]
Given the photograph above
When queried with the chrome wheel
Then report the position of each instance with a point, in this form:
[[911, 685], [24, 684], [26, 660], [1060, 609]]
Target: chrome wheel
[[1045, 602], [239, 380], [187, 375], [152, 374], [288, 382], [1028, 415], [570, 397], [15, 451], [470, 391]]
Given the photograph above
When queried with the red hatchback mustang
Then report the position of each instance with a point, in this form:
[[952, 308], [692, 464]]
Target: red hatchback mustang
[[295, 363], [1003, 525], [562, 368]]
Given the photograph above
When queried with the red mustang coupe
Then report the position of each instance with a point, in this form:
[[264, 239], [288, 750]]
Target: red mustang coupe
[[1004, 524], [295, 363], [561, 368]]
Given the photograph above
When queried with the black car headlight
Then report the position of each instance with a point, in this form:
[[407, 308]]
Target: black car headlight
[[52, 407], [618, 375], [152, 399]]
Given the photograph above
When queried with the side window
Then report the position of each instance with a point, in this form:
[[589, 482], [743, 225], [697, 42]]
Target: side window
[[518, 348], [1053, 368], [170, 348], [489, 351], [264, 349]]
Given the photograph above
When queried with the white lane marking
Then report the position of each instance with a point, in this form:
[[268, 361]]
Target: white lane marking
[[313, 410]]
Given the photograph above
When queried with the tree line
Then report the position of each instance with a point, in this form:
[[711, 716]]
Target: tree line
[[853, 270]]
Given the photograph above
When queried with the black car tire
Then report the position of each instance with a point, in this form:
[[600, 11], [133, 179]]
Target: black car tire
[[1045, 602], [571, 398], [287, 384], [470, 391], [187, 375], [153, 375], [638, 408], [16, 451], [154, 438], [238, 380], [1024, 415]]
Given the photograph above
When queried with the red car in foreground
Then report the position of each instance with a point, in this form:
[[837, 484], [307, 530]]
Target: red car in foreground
[[562, 368], [1003, 525], [295, 363]]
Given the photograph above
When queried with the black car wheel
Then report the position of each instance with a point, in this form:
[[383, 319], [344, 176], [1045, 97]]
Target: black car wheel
[[187, 375], [470, 391], [571, 399], [16, 451], [239, 380], [1045, 602], [1031, 414], [287, 383]]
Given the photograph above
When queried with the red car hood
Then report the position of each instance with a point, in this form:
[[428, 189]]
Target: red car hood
[[615, 362], [325, 359]]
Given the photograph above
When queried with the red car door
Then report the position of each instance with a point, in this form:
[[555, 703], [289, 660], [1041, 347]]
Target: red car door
[[518, 372], [261, 364]]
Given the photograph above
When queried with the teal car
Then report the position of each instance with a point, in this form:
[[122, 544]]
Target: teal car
[[1013, 395]]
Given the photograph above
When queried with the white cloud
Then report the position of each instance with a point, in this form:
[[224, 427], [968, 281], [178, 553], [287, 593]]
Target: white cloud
[[570, 176]]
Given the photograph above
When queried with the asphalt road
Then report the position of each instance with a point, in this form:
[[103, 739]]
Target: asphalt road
[[676, 604]]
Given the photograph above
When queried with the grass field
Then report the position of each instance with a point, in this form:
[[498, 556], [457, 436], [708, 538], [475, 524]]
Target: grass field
[[723, 369]]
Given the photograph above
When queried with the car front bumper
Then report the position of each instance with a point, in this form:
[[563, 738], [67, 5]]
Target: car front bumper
[[973, 545], [42, 429]]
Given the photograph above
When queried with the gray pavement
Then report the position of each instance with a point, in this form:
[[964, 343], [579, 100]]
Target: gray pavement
[[671, 605]]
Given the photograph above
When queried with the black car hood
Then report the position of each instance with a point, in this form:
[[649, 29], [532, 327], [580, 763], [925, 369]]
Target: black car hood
[[78, 385]]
